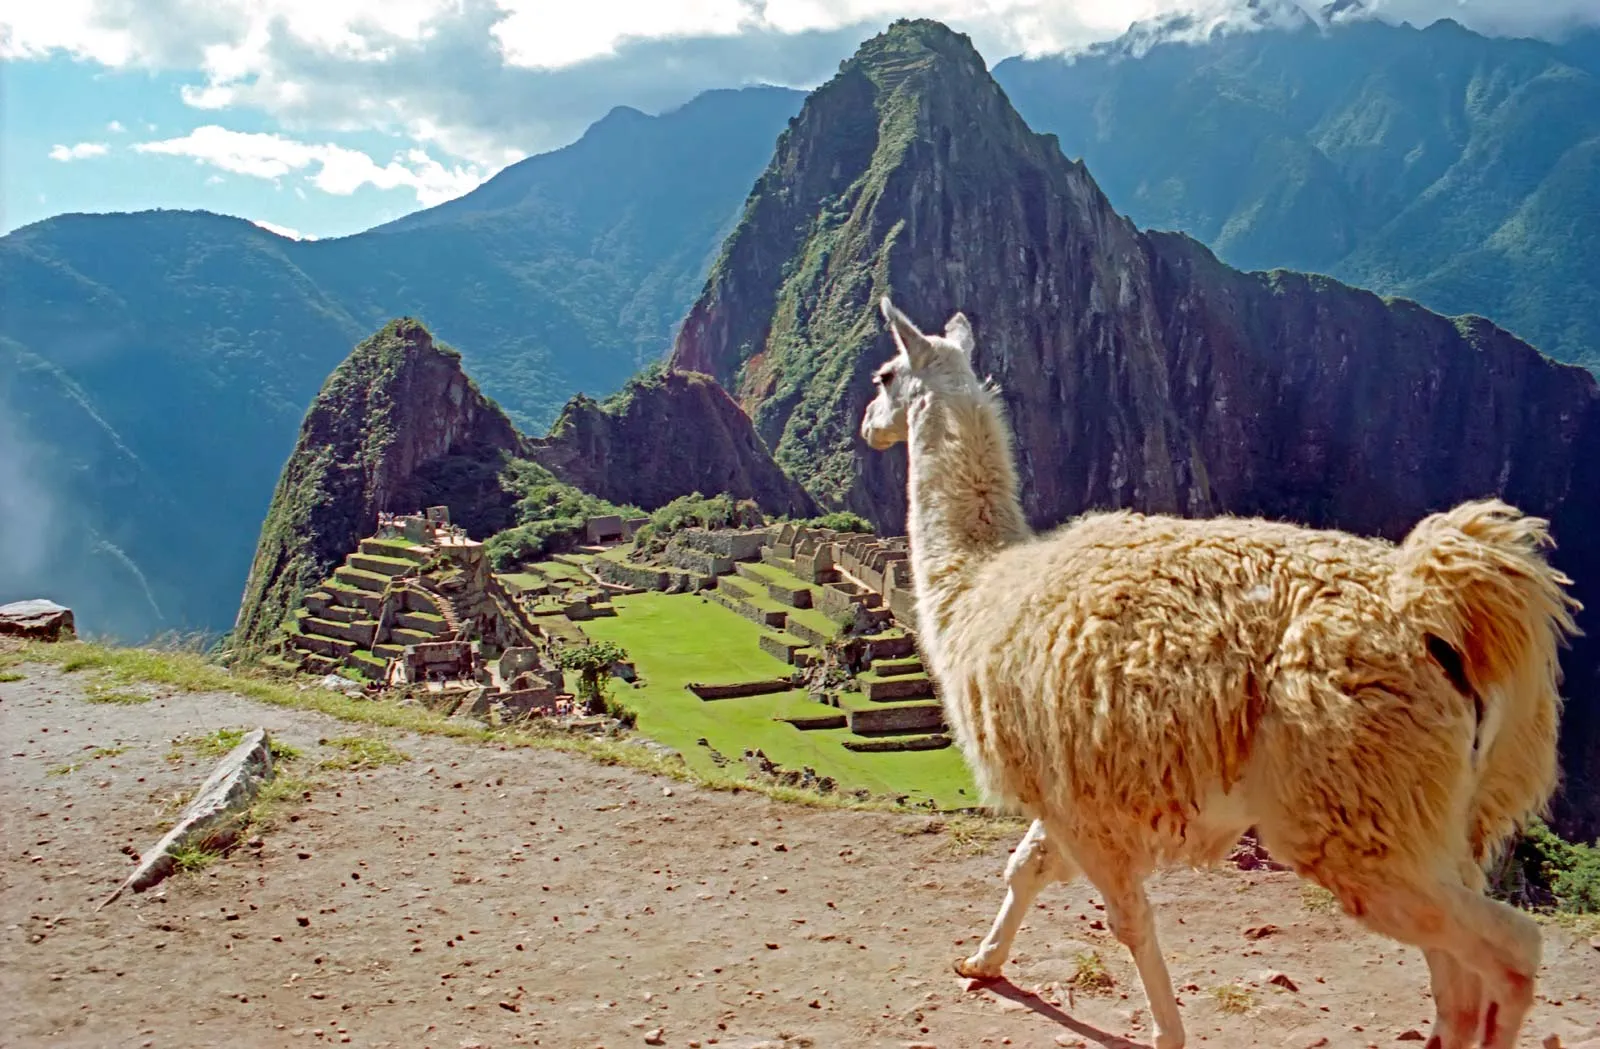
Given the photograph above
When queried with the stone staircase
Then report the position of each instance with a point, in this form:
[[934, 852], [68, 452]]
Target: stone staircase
[[368, 611]]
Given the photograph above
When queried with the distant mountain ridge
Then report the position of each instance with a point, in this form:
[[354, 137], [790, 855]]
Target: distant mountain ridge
[[154, 367], [1435, 164]]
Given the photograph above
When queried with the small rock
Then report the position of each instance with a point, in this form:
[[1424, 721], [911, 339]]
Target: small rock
[[304, 920], [666, 792], [1260, 932], [655, 1037], [1551, 1041], [1410, 1035], [511, 1007], [780, 847], [1282, 980]]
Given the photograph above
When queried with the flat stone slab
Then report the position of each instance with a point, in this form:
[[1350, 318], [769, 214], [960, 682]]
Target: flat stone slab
[[37, 619], [212, 815]]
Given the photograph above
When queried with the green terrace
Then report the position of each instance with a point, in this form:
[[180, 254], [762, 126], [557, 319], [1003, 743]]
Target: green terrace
[[677, 639]]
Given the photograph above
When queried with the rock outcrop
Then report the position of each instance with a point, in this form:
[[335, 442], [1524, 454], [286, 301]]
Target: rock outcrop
[[37, 620], [663, 436], [1138, 371], [374, 438]]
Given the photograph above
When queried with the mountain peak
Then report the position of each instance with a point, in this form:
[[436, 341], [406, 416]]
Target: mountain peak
[[397, 404], [916, 41]]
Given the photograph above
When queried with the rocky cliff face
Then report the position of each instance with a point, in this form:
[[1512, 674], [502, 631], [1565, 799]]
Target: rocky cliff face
[[664, 436], [373, 440], [1138, 370]]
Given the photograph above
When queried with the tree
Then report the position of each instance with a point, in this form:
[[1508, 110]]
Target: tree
[[593, 663]]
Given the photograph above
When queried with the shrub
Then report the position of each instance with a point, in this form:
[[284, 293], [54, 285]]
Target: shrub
[[531, 541], [695, 511], [549, 514], [1546, 870], [593, 663], [840, 521]]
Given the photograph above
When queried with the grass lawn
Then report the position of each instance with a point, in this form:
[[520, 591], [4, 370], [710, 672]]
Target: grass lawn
[[520, 581], [678, 638], [555, 570]]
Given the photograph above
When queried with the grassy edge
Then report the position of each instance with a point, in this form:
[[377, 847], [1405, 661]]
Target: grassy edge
[[191, 672]]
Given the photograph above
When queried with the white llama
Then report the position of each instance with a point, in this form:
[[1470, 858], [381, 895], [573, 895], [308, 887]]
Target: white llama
[[1149, 687]]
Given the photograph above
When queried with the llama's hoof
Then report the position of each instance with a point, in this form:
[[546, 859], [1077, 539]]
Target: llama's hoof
[[1170, 1040], [972, 969]]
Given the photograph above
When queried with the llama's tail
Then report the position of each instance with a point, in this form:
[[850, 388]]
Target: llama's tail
[[1477, 581]]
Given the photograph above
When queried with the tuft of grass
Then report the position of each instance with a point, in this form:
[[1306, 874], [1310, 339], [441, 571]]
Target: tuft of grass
[[119, 697], [355, 753], [1234, 999], [216, 744], [192, 858], [964, 835], [1089, 973], [11, 675], [207, 744], [278, 793], [72, 766], [1586, 925], [1318, 900]]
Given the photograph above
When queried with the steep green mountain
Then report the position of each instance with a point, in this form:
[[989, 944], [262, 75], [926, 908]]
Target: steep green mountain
[[397, 405], [1438, 164], [173, 353], [662, 436], [398, 426], [1137, 369]]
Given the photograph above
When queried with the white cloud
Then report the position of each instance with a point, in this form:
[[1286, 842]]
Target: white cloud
[[81, 151], [282, 231], [489, 81], [115, 127], [330, 168]]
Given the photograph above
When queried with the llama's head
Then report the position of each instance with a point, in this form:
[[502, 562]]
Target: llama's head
[[925, 364]]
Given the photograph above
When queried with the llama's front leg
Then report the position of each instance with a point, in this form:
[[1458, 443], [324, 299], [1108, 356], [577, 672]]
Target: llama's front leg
[[1034, 864], [1458, 1002], [1133, 923]]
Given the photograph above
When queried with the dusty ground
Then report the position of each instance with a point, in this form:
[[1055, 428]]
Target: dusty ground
[[479, 897]]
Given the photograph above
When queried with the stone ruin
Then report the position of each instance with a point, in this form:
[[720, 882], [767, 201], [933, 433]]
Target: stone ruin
[[426, 615], [859, 573], [611, 528], [430, 527]]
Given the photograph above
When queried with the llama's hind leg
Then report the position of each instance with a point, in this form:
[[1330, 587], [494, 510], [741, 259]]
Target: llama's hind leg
[[1481, 935], [1034, 864], [1133, 923]]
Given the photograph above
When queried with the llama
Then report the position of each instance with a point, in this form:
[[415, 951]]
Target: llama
[[1148, 687]]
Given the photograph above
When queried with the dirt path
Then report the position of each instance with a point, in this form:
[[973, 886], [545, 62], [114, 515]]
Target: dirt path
[[479, 897]]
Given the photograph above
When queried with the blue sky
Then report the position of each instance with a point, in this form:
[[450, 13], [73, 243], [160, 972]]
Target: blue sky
[[326, 117]]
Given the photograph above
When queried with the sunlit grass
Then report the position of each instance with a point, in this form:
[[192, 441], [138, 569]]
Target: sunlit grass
[[354, 753]]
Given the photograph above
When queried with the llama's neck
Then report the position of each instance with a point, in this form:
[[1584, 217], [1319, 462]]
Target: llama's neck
[[962, 496]]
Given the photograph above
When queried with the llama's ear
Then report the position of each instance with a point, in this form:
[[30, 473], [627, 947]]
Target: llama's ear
[[959, 332], [912, 342]]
